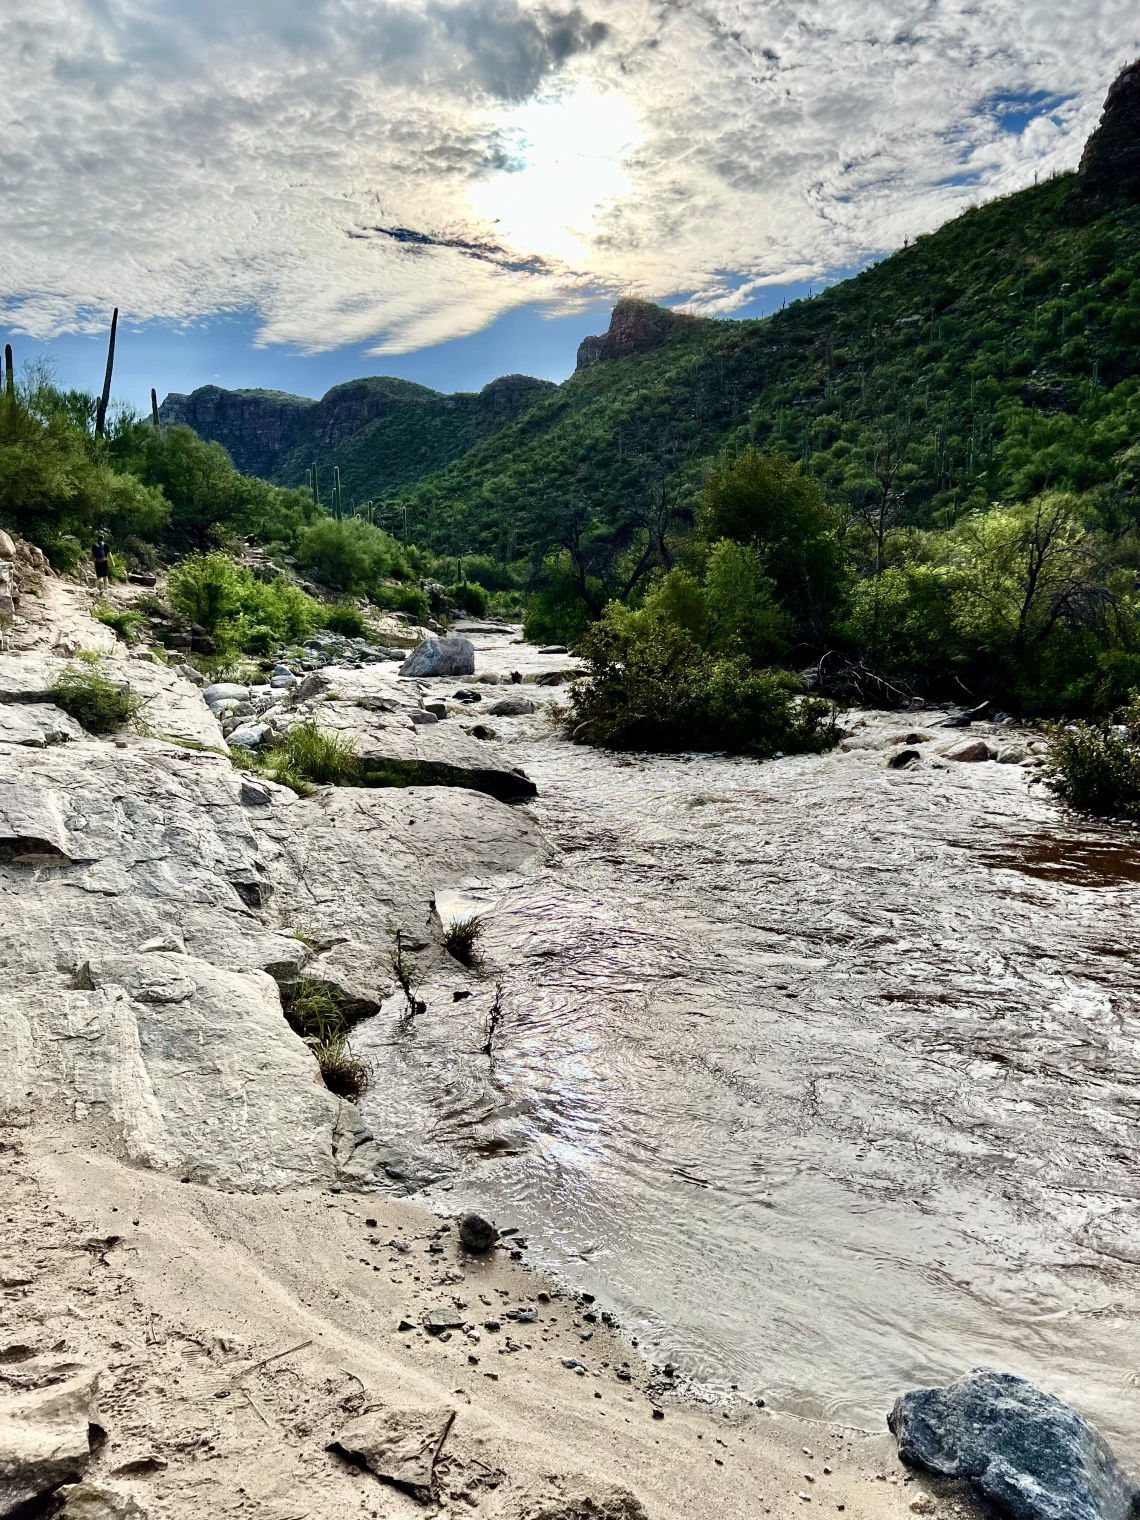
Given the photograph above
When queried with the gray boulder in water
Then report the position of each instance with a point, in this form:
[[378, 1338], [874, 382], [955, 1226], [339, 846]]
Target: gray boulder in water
[[441, 657], [1032, 1457]]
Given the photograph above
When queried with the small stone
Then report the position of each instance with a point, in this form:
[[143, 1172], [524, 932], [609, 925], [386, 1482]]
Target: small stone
[[658, 1414], [921, 1504], [477, 1234]]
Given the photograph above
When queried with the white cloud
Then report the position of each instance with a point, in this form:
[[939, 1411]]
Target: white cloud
[[180, 160]]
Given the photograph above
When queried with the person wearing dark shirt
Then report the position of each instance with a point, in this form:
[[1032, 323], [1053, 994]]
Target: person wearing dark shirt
[[102, 557]]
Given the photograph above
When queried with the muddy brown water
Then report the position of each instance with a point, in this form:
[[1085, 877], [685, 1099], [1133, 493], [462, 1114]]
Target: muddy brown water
[[824, 1077]]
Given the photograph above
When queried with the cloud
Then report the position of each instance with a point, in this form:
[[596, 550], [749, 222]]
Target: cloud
[[400, 172]]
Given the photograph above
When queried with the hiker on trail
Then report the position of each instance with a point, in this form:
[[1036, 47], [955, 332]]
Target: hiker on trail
[[102, 557]]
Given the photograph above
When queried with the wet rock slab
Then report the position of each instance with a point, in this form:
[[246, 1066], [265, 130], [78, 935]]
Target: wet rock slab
[[1033, 1457]]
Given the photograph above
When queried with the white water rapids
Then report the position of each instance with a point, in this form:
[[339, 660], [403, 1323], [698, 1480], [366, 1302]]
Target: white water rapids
[[824, 1077]]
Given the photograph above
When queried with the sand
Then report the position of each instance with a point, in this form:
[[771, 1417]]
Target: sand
[[238, 1333]]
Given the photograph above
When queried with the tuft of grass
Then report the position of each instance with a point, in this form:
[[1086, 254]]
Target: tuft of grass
[[461, 940], [101, 706], [307, 939], [316, 1013], [343, 1073], [308, 753], [124, 624]]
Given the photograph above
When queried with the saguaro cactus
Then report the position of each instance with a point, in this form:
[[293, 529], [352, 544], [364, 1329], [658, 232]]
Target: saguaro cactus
[[338, 503], [105, 398], [154, 408], [9, 373]]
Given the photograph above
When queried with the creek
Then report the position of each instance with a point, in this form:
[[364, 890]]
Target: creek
[[824, 1077]]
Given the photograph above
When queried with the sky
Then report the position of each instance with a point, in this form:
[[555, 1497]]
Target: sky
[[289, 193]]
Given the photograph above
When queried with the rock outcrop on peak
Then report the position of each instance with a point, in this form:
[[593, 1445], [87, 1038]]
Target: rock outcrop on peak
[[1110, 165], [635, 327]]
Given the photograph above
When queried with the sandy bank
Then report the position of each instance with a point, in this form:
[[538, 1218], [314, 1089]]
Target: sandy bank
[[202, 1286]]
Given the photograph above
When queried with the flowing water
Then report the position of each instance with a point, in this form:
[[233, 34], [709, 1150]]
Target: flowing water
[[824, 1076]]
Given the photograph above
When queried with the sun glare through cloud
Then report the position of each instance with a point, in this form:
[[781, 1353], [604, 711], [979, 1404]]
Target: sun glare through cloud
[[402, 175], [568, 163]]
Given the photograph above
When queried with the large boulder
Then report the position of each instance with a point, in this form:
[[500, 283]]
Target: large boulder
[[353, 860], [1033, 1457], [441, 657]]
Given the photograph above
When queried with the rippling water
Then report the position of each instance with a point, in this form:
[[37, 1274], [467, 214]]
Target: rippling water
[[826, 1077]]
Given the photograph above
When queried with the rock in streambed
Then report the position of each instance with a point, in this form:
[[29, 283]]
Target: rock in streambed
[[1033, 1457]]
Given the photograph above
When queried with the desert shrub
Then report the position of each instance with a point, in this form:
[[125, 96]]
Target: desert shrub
[[410, 599], [350, 554], [348, 621], [1096, 768], [238, 610], [207, 588], [771, 504], [556, 611], [470, 596], [651, 686], [461, 940], [99, 705]]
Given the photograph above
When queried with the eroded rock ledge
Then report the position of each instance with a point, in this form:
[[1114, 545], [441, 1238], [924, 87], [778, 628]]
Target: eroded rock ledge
[[151, 899]]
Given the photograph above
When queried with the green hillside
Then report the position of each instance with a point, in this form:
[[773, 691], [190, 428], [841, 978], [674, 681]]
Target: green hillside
[[990, 359], [380, 432]]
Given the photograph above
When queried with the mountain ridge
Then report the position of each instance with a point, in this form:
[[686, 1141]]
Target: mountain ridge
[[380, 431]]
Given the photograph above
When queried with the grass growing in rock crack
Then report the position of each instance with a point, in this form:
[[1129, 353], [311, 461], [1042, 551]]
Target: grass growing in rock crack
[[344, 1073], [307, 938], [101, 706], [316, 755], [316, 1013], [461, 940], [125, 625]]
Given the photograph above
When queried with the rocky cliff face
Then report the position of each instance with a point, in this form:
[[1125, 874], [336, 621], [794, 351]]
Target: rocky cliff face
[[381, 432], [635, 328], [1110, 164]]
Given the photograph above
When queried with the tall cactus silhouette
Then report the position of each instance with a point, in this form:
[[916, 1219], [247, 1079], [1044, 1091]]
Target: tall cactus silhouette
[[316, 487], [105, 398], [9, 373], [338, 502], [154, 408]]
